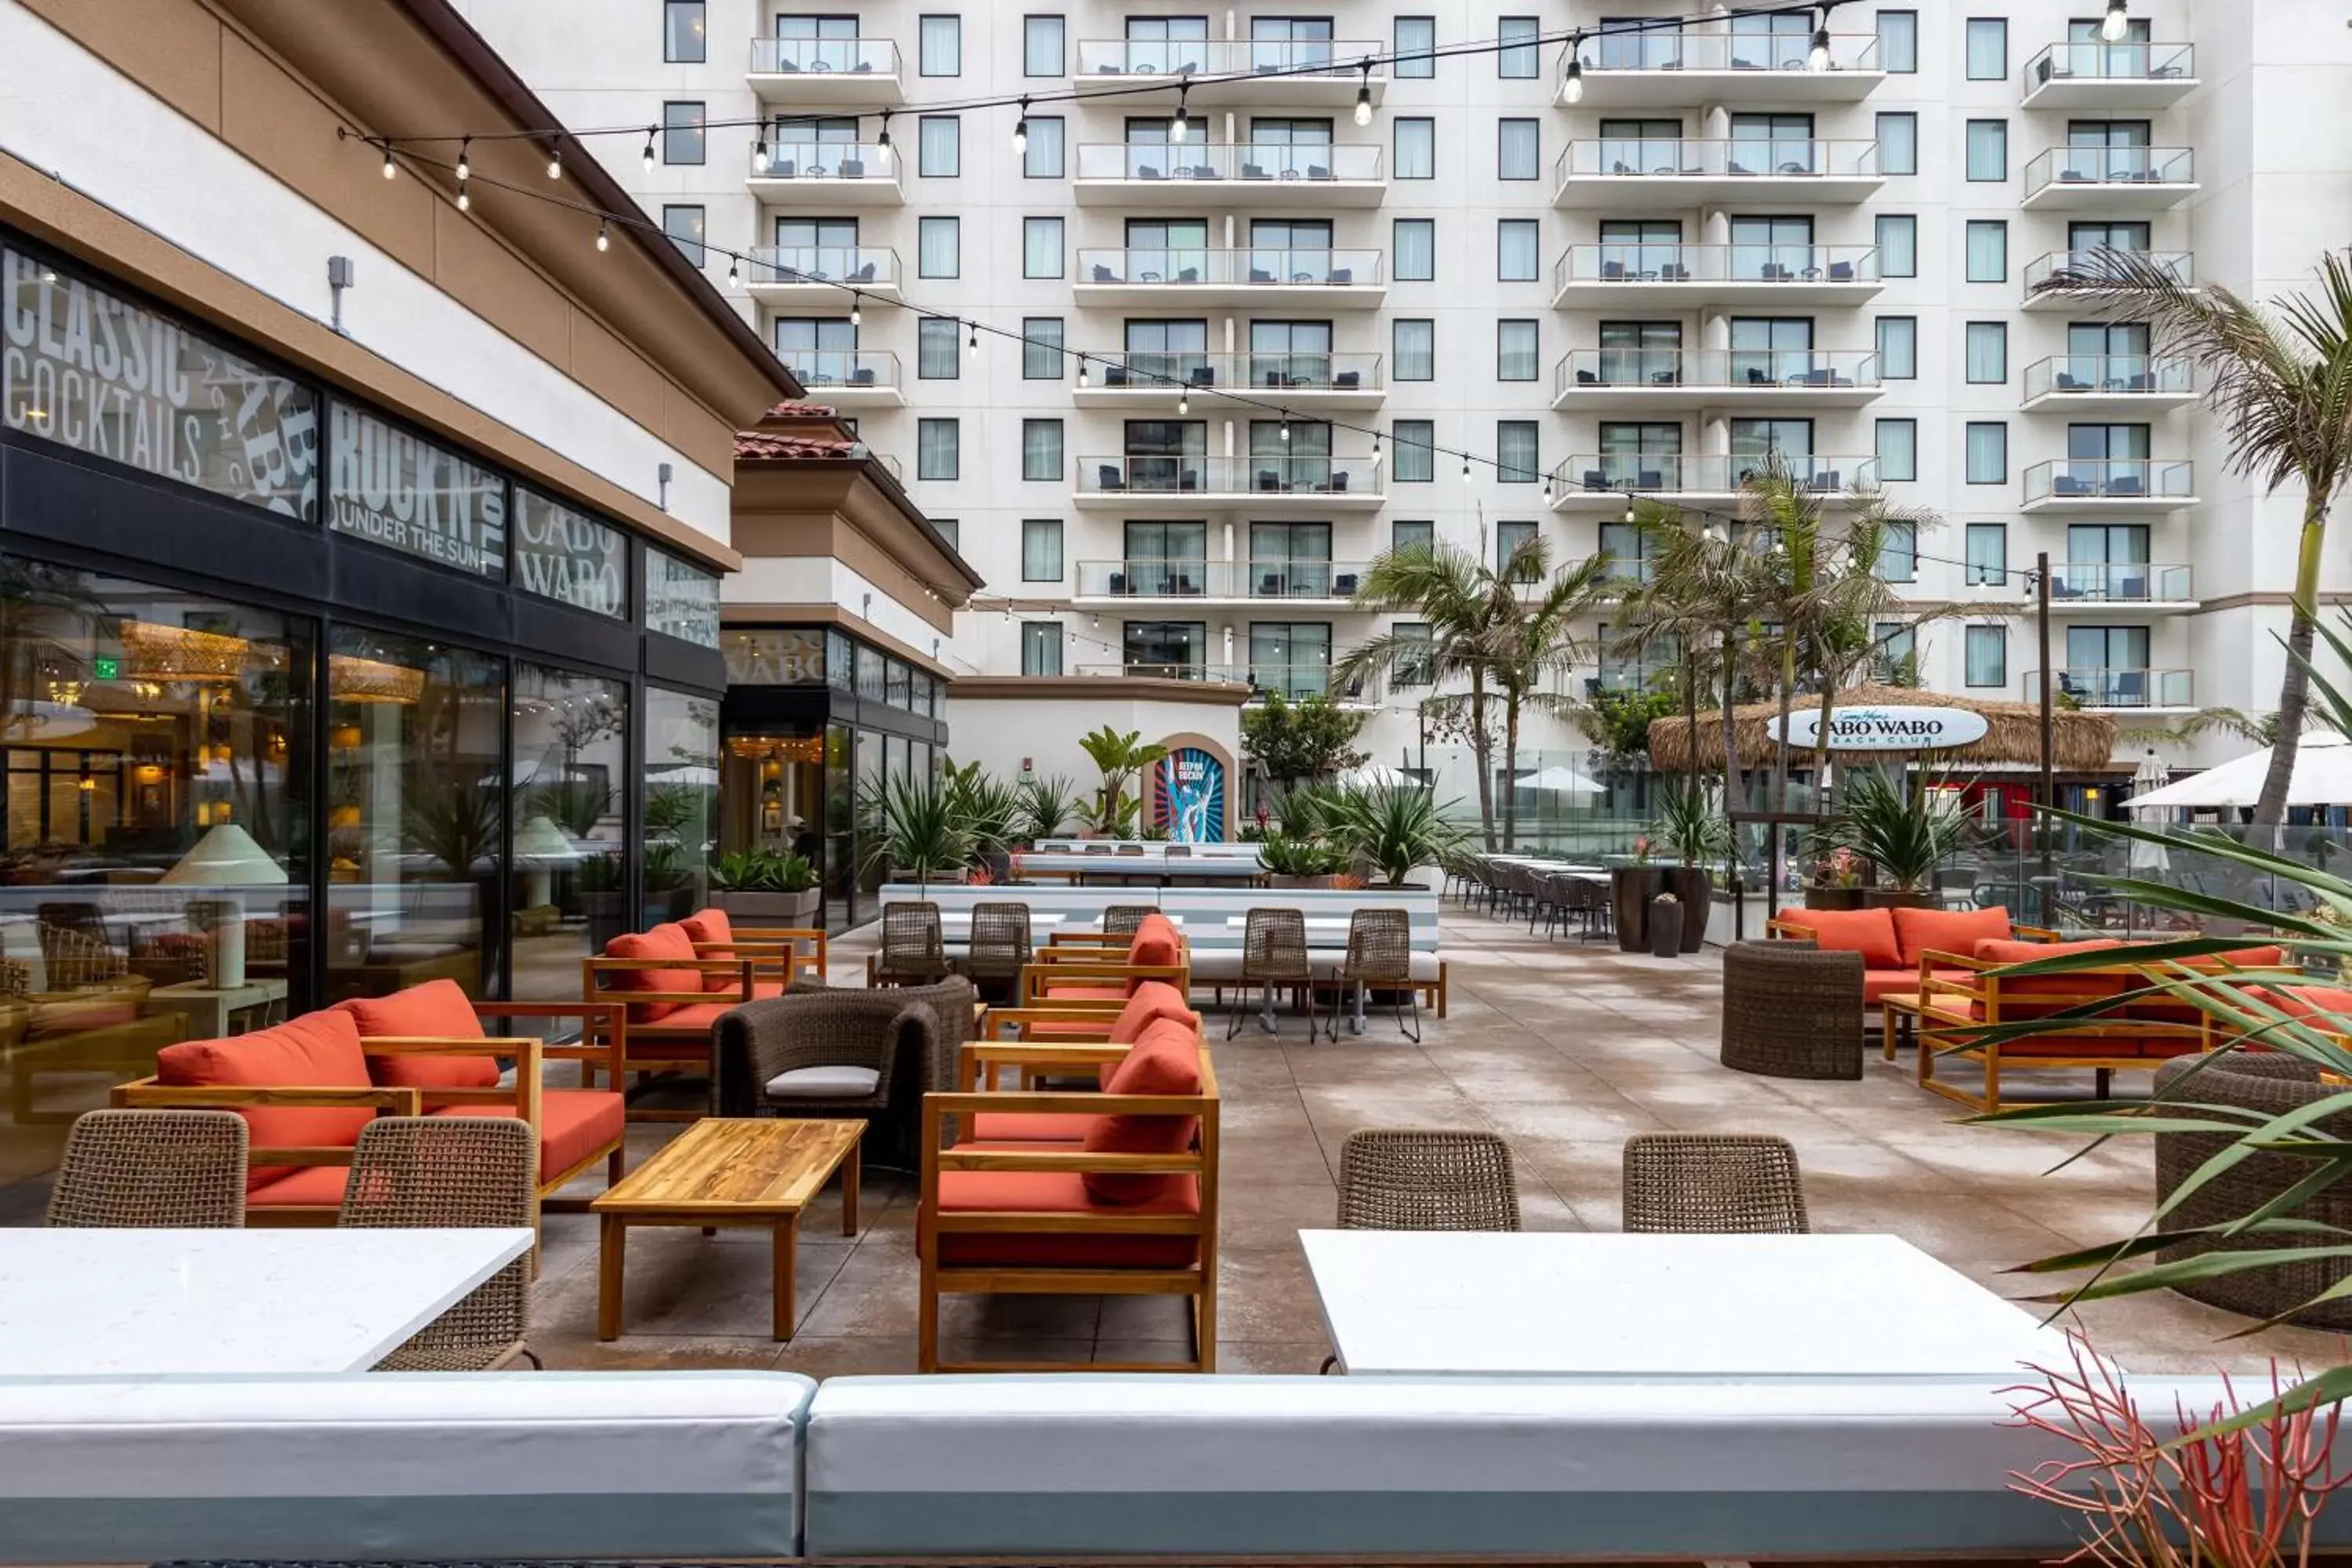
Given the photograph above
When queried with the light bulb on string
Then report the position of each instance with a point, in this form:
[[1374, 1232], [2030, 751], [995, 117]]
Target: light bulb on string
[[465, 202], [555, 160], [1178, 128], [603, 240], [971, 344], [1364, 97], [649, 150], [1021, 131], [1817, 58], [1546, 491], [857, 314], [734, 272], [465, 164], [390, 168], [1183, 401], [1629, 509], [1285, 427], [2115, 25], [1572, 90], [882, 146], [1084, 381], [1465, 464], [760, 151], [1376, 449]]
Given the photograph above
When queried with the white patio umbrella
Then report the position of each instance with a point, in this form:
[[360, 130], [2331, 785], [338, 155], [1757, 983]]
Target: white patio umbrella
[[2152, 775], [1378, 775], [1558, 779], [2322, 777]]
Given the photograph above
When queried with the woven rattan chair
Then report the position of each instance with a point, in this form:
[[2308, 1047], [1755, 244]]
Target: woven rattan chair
[[1718, 1182], [1274, 953], [444, 1171], [1792, 1011], [913, 951], [1415, 1178], [181, 1169], [999, 944], [1380, 958], [1120, 920]]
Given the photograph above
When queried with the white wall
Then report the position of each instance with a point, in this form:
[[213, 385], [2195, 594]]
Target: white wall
[[1042, 732], [822, 580]]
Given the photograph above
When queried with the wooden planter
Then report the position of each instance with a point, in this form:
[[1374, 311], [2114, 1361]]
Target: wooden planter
[[1695, 890], [1896, 898], [1630, 889]]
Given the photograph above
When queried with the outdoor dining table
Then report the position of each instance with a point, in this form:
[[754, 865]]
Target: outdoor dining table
[[1656, 1307], [156, 1302]]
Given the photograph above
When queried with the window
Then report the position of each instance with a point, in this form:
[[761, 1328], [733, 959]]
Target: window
[[1508, 539], [682, 39], [1989, 150], [939, 449], [1416, 149], [1988, 554], [1898, 348], [1898, 449], [938, 247], [1987, 442], [1516, 349], [1898, 653], [1898, 42], [1041, 641], [1416, 38], [1517, 461], [1988, 351], [682, 133], [942, 46], [1040, 248], [1411, 665], [1988, 655], [684, 224], [1416, 451], [1415, 345], [1515, 239], [951, 530], [1988, 49], [938, 146], [1042, 49], [1042, 161], [1898, 144], [1041, 550], [1041, 450], [1518, 35], [1413, 249], [1898, 552], [1896, 236], [1518, 149], [1041, 348], [936, 358], [1987, 250], [1413, 536]]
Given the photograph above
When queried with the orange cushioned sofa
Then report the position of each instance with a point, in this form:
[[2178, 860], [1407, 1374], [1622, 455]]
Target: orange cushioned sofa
[[308, 1086], [1893, 941], [1105, 974]]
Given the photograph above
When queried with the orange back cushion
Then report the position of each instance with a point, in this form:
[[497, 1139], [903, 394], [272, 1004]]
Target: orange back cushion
[[1152, 1001], [1156, 945], [666, 941], [316, 1050], [438, 1007], [2017, 996], [713, 926], [1165, 1060], [1870, 933], [1946, 930]]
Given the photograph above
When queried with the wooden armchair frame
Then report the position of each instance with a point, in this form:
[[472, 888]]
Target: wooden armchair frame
[[1197, 1280], [1036, 979], [782, 947], [662, 1046]]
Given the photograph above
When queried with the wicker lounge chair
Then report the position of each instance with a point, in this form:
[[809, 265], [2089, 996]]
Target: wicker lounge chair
[[1792, 1011]]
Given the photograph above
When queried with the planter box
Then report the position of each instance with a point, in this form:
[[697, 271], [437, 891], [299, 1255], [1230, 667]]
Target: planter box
[[1894, 899], [1630, 889], [771, 909], [1324, 882], [1693, 888], [1836, 898]]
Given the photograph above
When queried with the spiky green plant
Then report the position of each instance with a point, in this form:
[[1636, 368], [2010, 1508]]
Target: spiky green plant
[[1049, 802], [917, 826], [1905, 834], [1689, 820], [1397, 828]]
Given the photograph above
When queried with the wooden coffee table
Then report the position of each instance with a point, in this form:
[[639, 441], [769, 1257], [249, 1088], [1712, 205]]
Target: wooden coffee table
[[729, 1171]]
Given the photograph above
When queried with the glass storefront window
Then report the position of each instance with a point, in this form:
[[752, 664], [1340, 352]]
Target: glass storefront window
[[681, 600], [158, 810], [897, 685], [570, 762], [840, 662], [840, 826], [409, 495], [416, 811], [868, 783], [870, 664], [681, 808], [90, 370], [562, 554]]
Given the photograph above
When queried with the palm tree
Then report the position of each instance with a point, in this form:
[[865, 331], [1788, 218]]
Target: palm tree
[[1535, 644], [1704, 594], [2279, 377]]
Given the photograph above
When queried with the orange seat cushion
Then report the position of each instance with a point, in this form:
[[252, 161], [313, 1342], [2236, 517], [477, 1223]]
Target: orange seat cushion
[[316, 1050], [1029, 1126], [307, 1187], [2328, 1008], [713, 926], [436, 1008], [1878, 983], [1056, 1193], [574, 1125], [1946, 930], [666, 941], [1166, 1059], [1870, 933], [1088, 992], [694, 1018], [2121, 1047]]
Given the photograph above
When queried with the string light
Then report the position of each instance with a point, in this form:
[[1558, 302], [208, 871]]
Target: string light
[[555, 160], [1572, 90], [2115, 25], [1818, 59], [1364, 97], [464, 165], [1376, 449], [1546, 493], [1083, 381], [760, 151], [649, 150], [971, 344], [603, 240], [1285, 426], [1465, 464], [1021, 131], [1178, 128], [882, 146], [856, 315], [1629, 509], [465, 202], [1183, 401], [390, 168], [734, 273]]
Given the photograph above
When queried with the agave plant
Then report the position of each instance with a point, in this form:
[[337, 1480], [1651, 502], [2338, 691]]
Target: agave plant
[[990, 806], [1397, 828], [1283, 856], [1691, 823], [917, 826], [1906, 836], [1048, 802]]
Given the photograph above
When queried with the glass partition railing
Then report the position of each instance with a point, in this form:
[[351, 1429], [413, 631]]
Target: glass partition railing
[[1791, 157], [1195, 578], [1711, 473], [1731, 369], [823, 57], [1693, 49], [849, 368], [1295, 475], [1309, 166], [2170, 374], [2109, 478], [2110, 166], [2101, 61], [1270, 266], [823, 161], [1174, 369], [2120, 582], [855, 265], [1653, 262], [2060, 266], [1339, 60], [2106, 687]]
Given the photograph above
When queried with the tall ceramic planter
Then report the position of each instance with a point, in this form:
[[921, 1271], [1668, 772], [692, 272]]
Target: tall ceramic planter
[[1693, 888], [769, 909], [1630, 889]]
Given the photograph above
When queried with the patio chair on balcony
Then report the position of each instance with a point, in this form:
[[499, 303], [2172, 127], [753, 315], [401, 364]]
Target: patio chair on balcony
[[851, 169], [176, 1169], [1103, 274], [1649, 480], [1343, 586], [1190, 479], [1268, 479], [1829, 481], [1773, 272], [2127, 485], [1260, 275], [1612, 272], [864, 375], [1203, 375], [1840, 271], [1110, 477], [1340, 275], [1255, 171], [784, 168], [1759, 376], [1339, 485], [864, 274], [1318, 172], [1188, 275], [1594, 479], [1673, 272], [1716, 1183], [1348, 380], [2069, 485]]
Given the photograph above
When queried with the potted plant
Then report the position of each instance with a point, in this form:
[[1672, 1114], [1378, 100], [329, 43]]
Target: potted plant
[[916, 830], [1122, 759], [1049, 802], [1691, 825], [1836, 881], [766, 887], [1393, 829], [669, 880], [994, 810], [1630, 889], [1301, 862], [1907, 834]]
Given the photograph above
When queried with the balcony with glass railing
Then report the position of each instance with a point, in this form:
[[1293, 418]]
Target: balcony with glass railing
[[1160, 378], [1672, 68], [1304, 71], [2109, 484], [2077, 586], [1624, 173], [1253, 275], [1292, 680], [2094, 74], [2109, 179], [1116, 174], [794, 73], [1603, 480], [1162, 485], [1677, 277], [818, 276], [2109, 383], [2047, 277], [2103, 686], [851, 378], [1327, 583], [826, 173], [1698, 378]]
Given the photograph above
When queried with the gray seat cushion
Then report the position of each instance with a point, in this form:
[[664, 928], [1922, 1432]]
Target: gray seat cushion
[[828, 1082]]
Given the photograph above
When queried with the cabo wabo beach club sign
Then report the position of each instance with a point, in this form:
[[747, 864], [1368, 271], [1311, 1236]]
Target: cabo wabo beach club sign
[[1870, 729]]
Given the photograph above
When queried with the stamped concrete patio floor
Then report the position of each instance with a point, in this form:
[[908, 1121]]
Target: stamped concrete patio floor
[[1566, 1049]]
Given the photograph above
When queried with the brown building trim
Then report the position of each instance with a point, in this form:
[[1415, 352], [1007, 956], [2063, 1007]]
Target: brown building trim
[[1100, 689], [829, 508], [744, 617], [114, 244]]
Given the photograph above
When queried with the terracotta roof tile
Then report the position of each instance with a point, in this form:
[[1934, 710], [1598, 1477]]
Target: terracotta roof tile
[[759, 445]]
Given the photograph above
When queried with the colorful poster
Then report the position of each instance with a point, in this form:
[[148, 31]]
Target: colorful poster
[[1188, 797]]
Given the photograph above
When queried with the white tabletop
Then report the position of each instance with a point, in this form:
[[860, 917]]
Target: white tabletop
[[963, 917], [1606, 1305], [1312, 922], [153, 1303]]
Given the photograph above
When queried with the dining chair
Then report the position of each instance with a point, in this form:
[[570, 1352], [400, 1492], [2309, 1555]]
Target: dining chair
[[434, 1172], [913, 951], [1000, 946], [1274, 953], [1419, 1178], [1380, 958], [1712, 1183], [179, 1170], [1120, 920]]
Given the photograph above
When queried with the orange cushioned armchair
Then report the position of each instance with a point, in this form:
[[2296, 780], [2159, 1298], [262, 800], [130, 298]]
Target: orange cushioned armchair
[[1103, 973], [680, 977], [1127, 1206], [1894, 943]]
